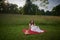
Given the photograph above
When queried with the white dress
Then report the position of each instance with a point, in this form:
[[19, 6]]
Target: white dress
[[36, 28]]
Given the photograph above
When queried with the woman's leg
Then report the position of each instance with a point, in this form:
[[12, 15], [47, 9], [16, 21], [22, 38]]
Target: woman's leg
[[38, 29], [27, 32]]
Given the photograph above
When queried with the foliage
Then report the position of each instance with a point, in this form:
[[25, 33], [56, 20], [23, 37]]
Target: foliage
[[29, 8], [9, 8], [56, 10]]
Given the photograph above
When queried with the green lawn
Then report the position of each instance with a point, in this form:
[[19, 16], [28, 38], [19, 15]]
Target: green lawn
[[11, 26]]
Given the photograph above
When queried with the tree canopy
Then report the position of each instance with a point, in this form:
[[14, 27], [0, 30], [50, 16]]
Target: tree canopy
[[29, 8], [9, 8], [56, 10]]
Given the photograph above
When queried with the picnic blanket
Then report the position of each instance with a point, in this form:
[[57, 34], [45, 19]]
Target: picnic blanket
[[28, 31]]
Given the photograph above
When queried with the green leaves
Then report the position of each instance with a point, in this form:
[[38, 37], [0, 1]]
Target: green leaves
[[43, 3], [56, 10]]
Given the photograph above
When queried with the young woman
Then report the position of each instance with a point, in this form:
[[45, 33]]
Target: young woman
[[33, 27]]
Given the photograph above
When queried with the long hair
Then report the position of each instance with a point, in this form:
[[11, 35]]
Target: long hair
[[32, 22]]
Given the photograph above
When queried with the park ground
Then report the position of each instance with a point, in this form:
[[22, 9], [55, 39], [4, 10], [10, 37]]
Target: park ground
[[11, 26]]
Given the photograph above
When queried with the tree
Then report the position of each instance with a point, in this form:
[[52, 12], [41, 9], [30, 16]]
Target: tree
[[48, 13], [30, 8], [56, 10], [42, 2], [6, 7], [13, 8], [21, 11], [42, 12], [3, 5], [27, 7]]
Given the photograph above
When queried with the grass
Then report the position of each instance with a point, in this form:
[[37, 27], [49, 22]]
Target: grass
[[11, 26]]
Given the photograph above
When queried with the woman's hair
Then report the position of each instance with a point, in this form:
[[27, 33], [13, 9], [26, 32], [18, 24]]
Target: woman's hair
[[32, 22]]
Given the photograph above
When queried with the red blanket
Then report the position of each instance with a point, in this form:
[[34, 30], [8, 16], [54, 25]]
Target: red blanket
[[26, 31]]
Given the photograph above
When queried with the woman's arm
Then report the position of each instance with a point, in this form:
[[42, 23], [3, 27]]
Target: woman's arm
[[29, 26]]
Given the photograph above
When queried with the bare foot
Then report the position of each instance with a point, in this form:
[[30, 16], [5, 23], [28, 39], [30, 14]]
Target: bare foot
[[26, 32]]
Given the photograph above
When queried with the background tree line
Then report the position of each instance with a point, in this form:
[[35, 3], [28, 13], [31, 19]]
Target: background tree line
[[28, 9], [8, 7]]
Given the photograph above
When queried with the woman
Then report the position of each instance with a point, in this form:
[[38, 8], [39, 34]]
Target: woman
[[33, 27]]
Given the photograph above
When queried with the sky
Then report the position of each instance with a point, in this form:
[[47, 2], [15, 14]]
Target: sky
[[21, 3]]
